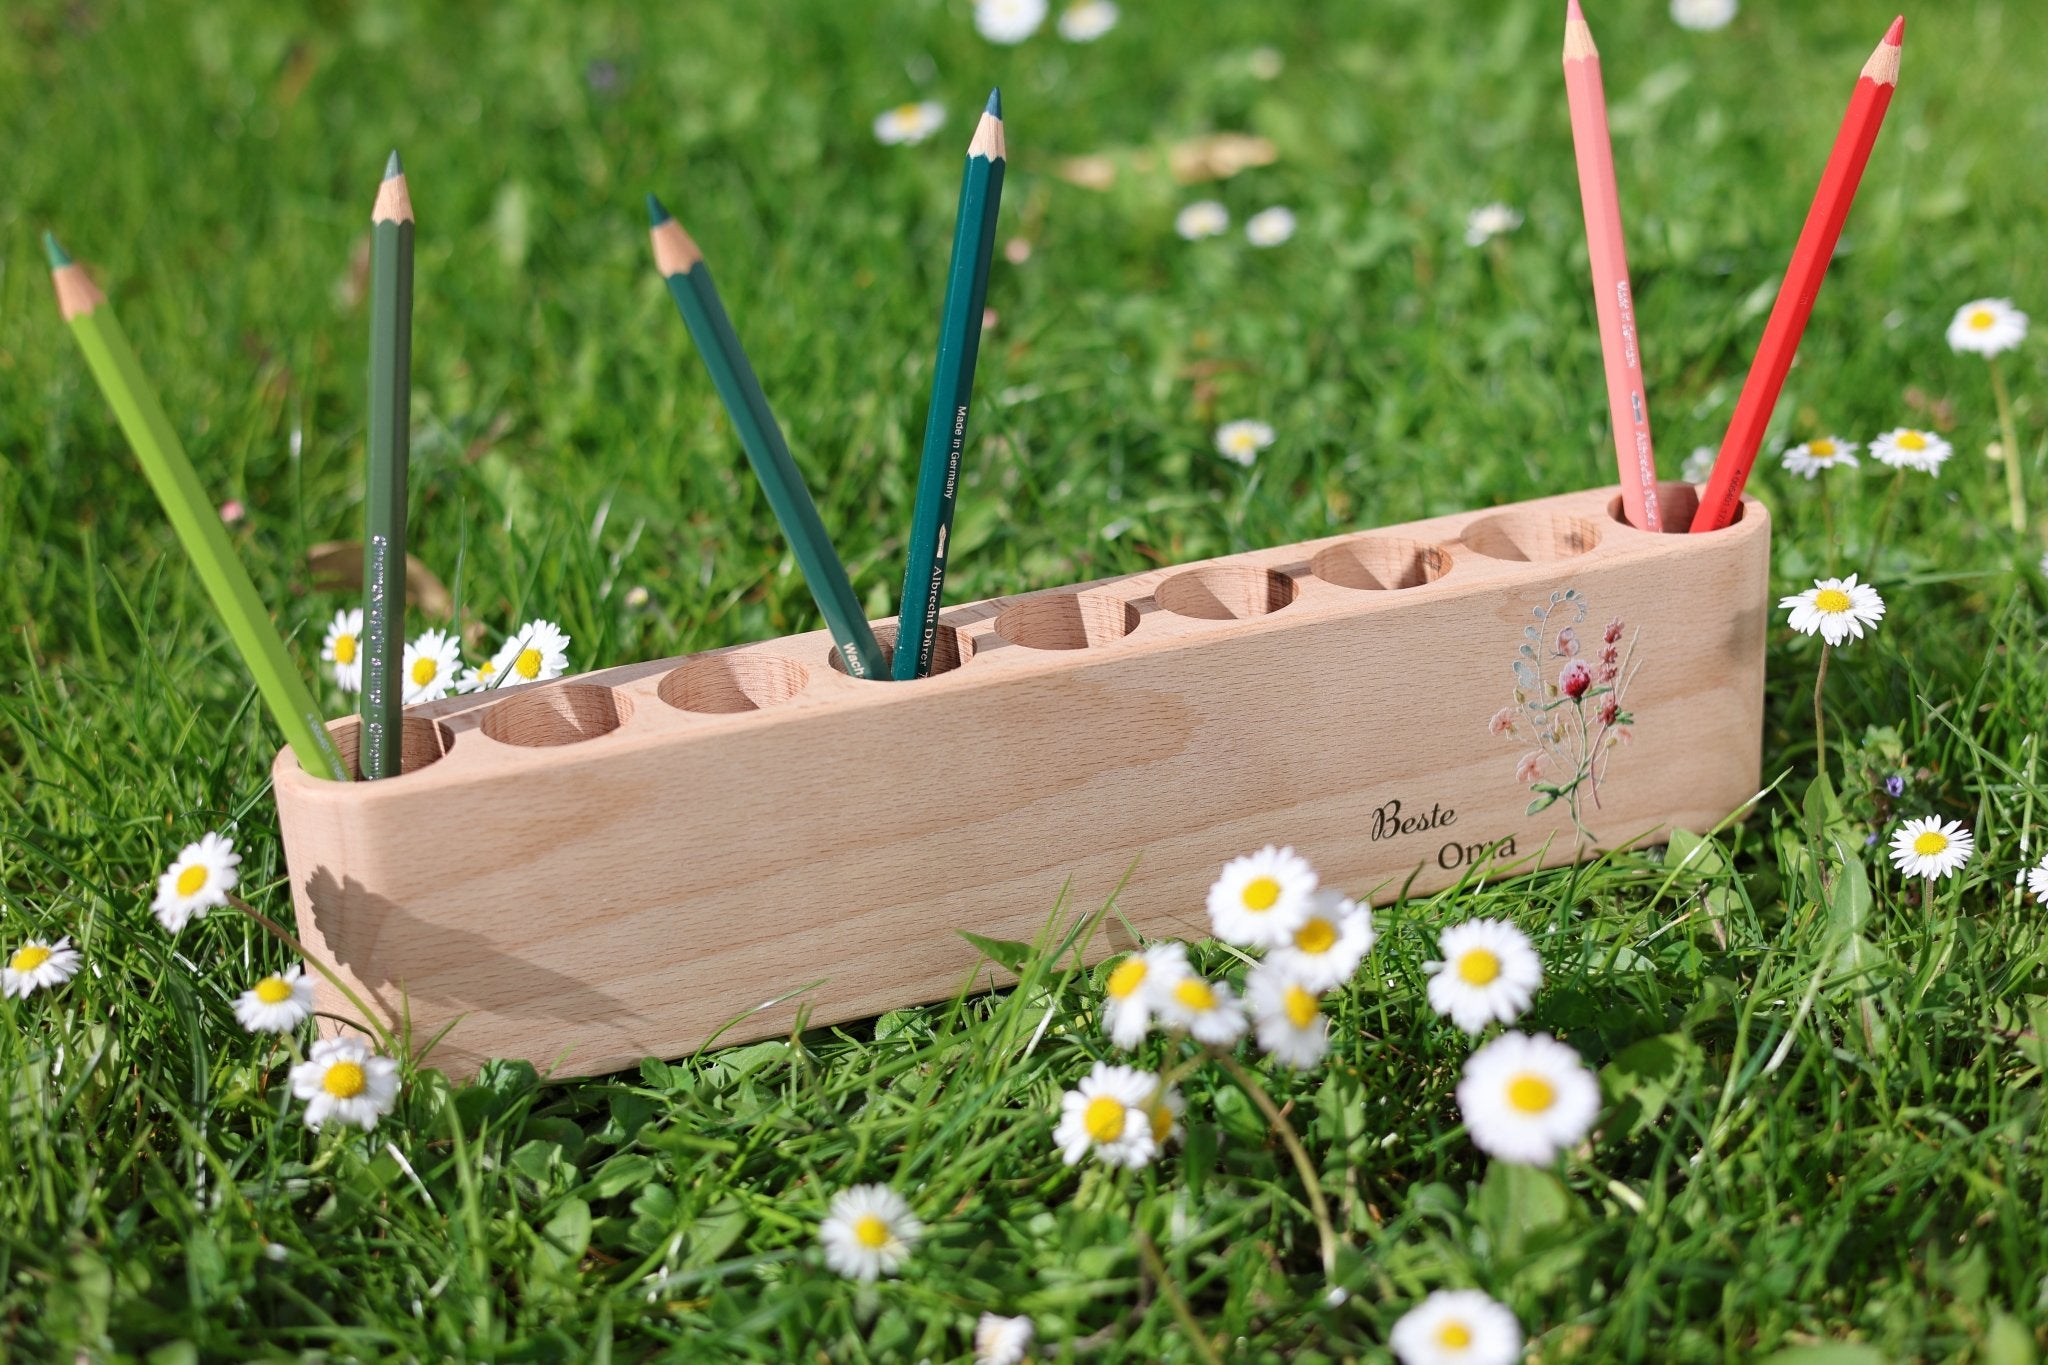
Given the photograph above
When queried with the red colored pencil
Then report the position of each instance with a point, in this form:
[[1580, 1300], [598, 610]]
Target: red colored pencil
[[1627, 406], [1723, 495]]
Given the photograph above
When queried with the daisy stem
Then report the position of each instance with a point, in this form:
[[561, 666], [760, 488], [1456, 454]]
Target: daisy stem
[[1827, 521], [1884, 514], [2015, 484], [1170, 1291], [291, 941], [1820, 722], [1311, 1179]]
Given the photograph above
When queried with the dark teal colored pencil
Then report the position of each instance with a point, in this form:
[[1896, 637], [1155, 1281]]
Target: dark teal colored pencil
[[689, 283], [382, 705], [945, 423]]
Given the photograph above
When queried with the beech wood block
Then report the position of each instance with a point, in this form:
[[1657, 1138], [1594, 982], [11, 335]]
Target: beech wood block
[[632, 862]]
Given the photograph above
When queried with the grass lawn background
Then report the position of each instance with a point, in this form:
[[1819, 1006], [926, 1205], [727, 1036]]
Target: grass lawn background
[[216, 164]]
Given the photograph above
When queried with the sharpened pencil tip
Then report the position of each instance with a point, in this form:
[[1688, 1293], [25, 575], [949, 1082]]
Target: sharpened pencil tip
[[1572, 11], [995, 101], [58, 258], [393, 168], [1896, 34], [656, 214]]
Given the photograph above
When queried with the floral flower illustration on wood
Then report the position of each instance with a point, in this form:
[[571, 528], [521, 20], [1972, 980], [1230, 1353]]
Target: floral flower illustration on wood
[[1570, 710]]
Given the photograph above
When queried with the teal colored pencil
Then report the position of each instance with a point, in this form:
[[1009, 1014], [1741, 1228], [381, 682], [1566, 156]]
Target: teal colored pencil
[[689, 283], [383, 700], [945, 423]]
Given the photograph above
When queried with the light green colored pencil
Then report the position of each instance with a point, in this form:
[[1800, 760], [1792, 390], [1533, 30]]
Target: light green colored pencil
[[192, 516], [382, 706], [689, 284]]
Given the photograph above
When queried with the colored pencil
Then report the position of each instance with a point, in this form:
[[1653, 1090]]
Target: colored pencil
[[683, 267], [383, 697], [1628, 407], [945, 423], [114, 365], [1867, 105]]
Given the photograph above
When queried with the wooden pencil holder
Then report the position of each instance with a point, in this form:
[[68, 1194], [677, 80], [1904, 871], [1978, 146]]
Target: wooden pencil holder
[[636, 861]]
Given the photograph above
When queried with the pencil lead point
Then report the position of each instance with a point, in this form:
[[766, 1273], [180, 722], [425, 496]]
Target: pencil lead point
[[1572, 11], [995, 102], [58, 259], [1896, 34], [656, 214], [393, 168]]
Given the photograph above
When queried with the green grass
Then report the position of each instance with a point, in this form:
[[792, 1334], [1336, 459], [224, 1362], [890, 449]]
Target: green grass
[[1882, 1184]]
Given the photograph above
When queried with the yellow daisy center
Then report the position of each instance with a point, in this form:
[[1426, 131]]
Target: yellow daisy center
[[1912, 440], [528, 664], [1454, 1336], [191, 879], [344, 649], [1930, 842], [1196, 995], [1128, 976], [1983, 320], [871, 1231], [423, 671], [1261, 894], [1316, 937], [29, 958], [1831, 601], [273, 990], [1821, 450], [1531, 1093], [1478, 967], [1104, 1118], [1162, 1124], [1300, 1006], [344, 1080], [486, 668]]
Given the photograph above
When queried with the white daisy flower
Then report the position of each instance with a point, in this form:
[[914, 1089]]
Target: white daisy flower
[[1489, 221], [1087, 21], [1203, 218], [1008, 21], [868, 1232], [536, 652], [431, 663], [999, 1340], [1525, 1098], [481, 677], [1329, 943], [1836, 608], [276, 1004], [343, 649], [1266, 63], [1457, 1327], [909, 124], [1129, 996], [1987, 327], [1109, 1114], [36, 966], [1702, 16], [1205, 1010], [342, 1079], [2037, 881], [1165, 1110], [1240, 442], [1289, 1018], [1699, 466], [1814, 456], [1907, 448], [1929, 848], [1490, 972], [1269, 227], [197, 881], [1259, 900]]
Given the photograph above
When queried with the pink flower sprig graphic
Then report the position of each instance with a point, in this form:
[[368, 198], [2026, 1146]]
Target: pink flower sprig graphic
[[1576, 717]]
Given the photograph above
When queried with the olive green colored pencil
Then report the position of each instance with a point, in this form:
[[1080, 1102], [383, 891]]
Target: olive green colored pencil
[[382, 706], [945, 423], [113, 363], [689, 283]]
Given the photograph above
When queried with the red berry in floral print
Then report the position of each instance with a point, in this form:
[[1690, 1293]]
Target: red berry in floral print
[[1575, 679]]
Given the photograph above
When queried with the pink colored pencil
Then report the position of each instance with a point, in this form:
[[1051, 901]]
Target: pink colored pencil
[[1627, 407]]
